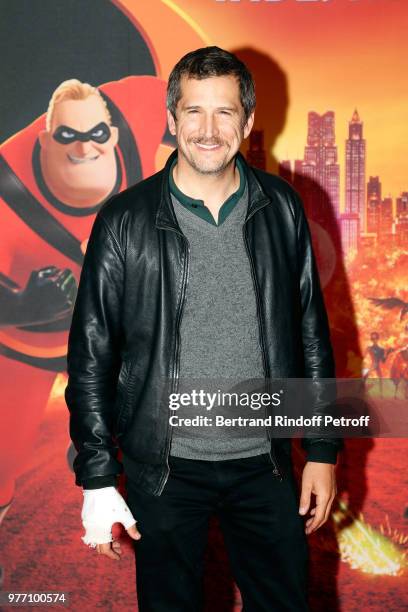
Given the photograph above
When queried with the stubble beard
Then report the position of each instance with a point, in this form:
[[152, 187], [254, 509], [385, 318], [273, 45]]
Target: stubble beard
[[201, 167]]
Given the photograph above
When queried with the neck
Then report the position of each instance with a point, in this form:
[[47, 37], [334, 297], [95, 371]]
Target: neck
[[214, 189]]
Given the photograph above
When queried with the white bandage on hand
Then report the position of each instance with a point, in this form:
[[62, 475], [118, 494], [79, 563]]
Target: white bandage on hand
[[102, 508]]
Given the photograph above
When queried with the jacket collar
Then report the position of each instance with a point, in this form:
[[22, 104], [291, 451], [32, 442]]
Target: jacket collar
[[166, 217]]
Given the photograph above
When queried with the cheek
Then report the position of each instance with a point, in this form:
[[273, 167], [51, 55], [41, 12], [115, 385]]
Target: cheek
[[103, 149], [188, 127], [235, 129], [230, 129], [57, 153]]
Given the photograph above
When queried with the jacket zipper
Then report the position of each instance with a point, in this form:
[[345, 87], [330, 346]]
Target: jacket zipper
[[176, 360], [276, 470]]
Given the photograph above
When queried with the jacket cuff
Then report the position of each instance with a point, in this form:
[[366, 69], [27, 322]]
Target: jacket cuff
[[322, 452], [100, 481]]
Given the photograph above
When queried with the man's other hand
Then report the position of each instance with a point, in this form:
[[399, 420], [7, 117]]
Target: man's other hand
[[319, 479]]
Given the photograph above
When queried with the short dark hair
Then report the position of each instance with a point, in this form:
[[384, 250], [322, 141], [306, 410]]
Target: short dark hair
[[208, 62]]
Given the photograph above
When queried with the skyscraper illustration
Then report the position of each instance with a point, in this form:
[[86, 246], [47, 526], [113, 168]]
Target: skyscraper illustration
[[367, 220], [350, 231], [385, 229], [355, 171], [317, 175], [401, 222], [402, 204], [373, 204]]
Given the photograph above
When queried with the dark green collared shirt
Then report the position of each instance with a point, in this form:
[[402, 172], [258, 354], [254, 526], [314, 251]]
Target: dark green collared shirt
[[198, 207]]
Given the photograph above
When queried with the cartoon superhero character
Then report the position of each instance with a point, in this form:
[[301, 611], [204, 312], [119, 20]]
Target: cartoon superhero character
[[399, 367], [54, 176], [377, 355]]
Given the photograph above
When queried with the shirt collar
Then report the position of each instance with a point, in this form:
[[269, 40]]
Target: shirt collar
[[197, 206]]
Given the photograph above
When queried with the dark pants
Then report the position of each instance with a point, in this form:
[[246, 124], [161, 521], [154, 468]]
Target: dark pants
[[263, 533]]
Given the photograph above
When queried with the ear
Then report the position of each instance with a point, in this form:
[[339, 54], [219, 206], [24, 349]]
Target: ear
[[171, 123], [114, 135], [249, 124], [43, 138]]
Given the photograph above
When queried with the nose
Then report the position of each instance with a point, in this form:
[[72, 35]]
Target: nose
[[82, 148], [209, 127]]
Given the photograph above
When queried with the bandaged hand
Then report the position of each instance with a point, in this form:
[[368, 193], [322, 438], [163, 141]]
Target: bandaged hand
[[101, 509]]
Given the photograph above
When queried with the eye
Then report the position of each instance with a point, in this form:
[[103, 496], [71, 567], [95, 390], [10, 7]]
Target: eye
[[67, 134], [225, 112], [98, 133]]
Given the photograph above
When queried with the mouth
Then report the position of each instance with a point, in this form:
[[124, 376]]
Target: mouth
[[207, 147], [81, 160]]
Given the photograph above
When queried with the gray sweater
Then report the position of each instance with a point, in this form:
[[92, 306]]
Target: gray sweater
[[219, 331]]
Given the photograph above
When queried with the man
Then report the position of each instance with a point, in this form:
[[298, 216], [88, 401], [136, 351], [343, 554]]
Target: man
[[203, 270]]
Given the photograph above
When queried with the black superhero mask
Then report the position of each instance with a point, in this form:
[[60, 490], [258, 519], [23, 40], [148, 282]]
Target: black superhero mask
[[65, 135]]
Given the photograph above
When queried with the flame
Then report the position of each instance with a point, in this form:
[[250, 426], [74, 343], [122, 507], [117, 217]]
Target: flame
[[367, 549]]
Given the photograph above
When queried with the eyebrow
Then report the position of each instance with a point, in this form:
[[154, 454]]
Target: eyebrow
[[197, 106]]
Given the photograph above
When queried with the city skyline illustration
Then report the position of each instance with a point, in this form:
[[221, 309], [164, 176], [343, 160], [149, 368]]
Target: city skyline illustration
[[368, 218]]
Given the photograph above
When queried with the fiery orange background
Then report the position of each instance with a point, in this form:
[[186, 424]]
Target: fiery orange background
[[336, 55]]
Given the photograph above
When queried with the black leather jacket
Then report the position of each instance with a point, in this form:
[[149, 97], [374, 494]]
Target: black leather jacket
[[124, 333]]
